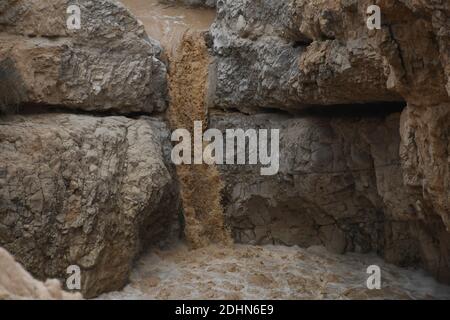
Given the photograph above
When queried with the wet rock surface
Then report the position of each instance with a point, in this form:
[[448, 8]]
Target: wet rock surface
[[326, 190], [86, 191], [340, 184]]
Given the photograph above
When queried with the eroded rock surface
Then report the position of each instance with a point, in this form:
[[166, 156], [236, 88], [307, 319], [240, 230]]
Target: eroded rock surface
[[276, 55], [416, 49], [326, 188], [93, 191], [108, 64], [17, 283], [304, 55], [340, 184], [86, 191]]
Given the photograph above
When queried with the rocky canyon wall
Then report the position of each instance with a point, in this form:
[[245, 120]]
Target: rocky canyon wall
[[352, 183], [109, 64], [81, 186], [85, 171], [194, 3]]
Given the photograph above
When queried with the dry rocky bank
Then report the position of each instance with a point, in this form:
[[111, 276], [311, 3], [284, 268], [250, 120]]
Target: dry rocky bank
[[85, 171]]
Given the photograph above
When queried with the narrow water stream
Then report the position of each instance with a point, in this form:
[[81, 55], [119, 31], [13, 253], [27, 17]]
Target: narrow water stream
[[179, 29]]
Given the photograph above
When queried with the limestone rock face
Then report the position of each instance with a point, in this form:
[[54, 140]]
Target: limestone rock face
[[417, 51], [92, 191], [415, 45], [87, 191], [340, 184], [17, 283], [326, 191], [108, 64], [320, 55], [290, 55]]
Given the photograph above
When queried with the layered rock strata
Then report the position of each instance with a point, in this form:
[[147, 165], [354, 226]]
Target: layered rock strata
[[109, 64], [302, 56]]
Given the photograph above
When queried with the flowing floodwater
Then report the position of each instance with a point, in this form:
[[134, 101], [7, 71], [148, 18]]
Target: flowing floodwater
[[270, 272], [167, 22], [238, 271]]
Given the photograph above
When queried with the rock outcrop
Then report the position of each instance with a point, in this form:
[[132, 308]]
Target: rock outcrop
[[326, 191], [340, 185], [86, 191], [109, 64], [16, 283], [302, 56], [416, 48], [271, 55]]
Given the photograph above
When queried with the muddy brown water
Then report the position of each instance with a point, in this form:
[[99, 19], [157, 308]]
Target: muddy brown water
[[167, 22], [270, 272]]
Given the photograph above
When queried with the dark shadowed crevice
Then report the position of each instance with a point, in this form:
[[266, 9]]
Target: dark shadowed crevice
[[377, 109], [302, 43], [37, 108]]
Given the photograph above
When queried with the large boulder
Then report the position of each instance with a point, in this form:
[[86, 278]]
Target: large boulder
[[320, 56], [87, 191], [109, 64]]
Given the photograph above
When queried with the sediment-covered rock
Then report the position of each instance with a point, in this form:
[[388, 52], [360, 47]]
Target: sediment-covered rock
[[326, 188], [87, 191], [340, 184], [107, 64], [17, 283]]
